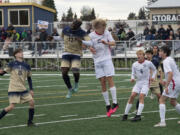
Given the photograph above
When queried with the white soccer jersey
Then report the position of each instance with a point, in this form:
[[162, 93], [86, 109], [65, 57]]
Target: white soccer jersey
[[170, 66], [141, 71], [174, 87], [103, 51]]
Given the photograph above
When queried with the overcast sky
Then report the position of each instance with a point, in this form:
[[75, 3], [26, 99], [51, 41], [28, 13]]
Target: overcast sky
[[108, 9]]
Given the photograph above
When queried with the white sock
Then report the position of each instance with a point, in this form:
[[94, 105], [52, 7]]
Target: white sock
[[106, 97], [178, 108], [113, 94], [128, 108], [162, 111], [140, 109]]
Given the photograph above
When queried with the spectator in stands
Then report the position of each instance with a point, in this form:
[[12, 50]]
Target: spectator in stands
[[153, 30], [113, 33], [123, 36], [43, 39], [10, 29], [162, 33], [130, 34], [3, 35], [55, 33], [121, 33], [169, 29], [149, 36], [157, 36], [146, 31], [24, 35], [51, 44], [177, 35], [7, 42], [15, 36], [35, 35], [29, 39]]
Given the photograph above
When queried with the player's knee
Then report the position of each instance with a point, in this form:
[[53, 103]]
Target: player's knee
[[75, 70], [31, 103], [161, 100], [64, 70]]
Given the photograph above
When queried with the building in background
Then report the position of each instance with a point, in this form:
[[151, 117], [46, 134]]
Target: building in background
[[165, 12], [25, 16]]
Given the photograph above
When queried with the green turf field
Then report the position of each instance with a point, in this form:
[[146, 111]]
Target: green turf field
[[84, 113]]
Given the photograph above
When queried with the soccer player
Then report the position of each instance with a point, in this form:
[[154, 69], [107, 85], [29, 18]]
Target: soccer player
[[154, 86], [101, 42], [141, 72], [72, 54], [172, 84], [19, 72]]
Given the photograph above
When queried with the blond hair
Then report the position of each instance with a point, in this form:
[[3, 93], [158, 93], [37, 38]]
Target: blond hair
[[140, 52], [98, 23]]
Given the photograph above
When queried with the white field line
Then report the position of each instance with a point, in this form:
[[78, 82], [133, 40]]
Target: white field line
[[172, 118], [39, 115], [48, 86], [66, 116], [72, 75], [67, 103], [10, 114], [68, 120], [55, 93], [79, 86], [126, 80]]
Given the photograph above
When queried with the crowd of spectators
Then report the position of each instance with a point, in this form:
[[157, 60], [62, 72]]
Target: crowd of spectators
[[10, 37], [161, 34]]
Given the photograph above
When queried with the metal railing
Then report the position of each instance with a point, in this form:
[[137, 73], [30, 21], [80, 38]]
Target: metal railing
[[47, 55]]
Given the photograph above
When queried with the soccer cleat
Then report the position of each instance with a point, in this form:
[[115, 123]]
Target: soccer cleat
[[136, 118], [178, 122], [125, 117], [31, 124], [76, 88], [109, 111], [114, 108], [161, 124], [69, 95]]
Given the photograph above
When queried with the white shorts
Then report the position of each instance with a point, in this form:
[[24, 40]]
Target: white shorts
[[173, 91], [104, 69], [141, 88]]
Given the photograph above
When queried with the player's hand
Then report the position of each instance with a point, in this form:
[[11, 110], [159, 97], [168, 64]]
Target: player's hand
[[132, 80], [78, 39], [32, 93], [152, 79], [92, 50], [166, 90], [163, 83], [104, 42]]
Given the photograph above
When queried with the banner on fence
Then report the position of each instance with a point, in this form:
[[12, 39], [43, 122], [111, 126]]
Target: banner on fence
[[42, 24]]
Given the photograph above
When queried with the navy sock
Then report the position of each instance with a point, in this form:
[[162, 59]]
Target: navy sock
[[67, 81], [3, 113], [31, 115]]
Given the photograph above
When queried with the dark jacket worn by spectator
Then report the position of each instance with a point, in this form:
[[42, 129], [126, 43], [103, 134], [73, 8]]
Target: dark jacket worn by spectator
[[146, 31]]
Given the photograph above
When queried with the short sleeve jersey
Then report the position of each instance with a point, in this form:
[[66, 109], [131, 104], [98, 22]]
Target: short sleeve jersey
[[19, 71], [103, 52]]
